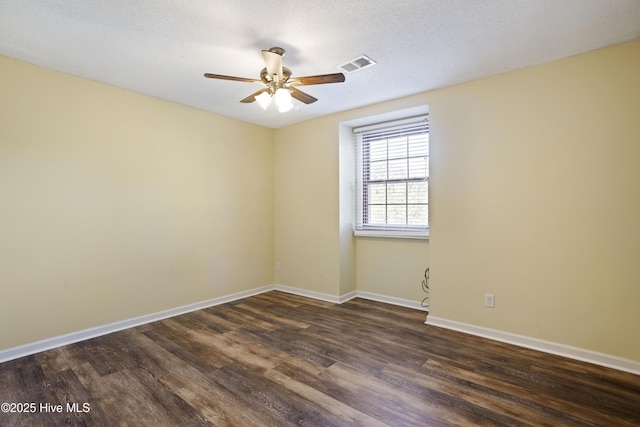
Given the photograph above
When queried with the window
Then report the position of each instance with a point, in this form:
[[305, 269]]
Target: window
[[393, 178]]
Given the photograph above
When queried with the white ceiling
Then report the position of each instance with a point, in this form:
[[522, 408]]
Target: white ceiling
[[163, 47]]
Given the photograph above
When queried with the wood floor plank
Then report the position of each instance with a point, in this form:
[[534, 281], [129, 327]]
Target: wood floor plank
[[189, 382], [107, 353], [202, 319], [272, 316], [277, 359], [58, 359], [600, 385], [291, 343], [126, 396], [245, 319], [79, 406], [256, 354], [213, 403], [274, 401], [498, 407], [176, 340], [383, 401], [22, 381], [236, 351], [343, 412], [357, 343]]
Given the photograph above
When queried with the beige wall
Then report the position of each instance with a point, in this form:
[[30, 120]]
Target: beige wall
[[307, 242], [392, 267], [314, 205], [116, 205], [536, 198]]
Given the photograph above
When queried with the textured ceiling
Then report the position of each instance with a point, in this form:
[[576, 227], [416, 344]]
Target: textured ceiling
[[163, 47]]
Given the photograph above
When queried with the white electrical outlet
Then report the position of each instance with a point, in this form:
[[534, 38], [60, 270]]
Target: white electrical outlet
[[489, 300]]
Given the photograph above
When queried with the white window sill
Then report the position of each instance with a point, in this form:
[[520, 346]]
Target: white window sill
[[422, 235]]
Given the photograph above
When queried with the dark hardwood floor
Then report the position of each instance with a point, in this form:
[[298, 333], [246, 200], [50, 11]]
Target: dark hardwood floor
[[277, 359]]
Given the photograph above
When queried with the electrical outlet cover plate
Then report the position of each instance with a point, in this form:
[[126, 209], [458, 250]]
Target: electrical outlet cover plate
[[489, 300]]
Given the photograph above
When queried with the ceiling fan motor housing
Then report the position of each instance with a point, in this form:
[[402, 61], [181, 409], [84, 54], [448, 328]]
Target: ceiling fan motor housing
[[280, 51], [273, 82]]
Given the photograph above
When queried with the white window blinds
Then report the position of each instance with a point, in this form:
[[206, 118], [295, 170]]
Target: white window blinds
[[393, 176]]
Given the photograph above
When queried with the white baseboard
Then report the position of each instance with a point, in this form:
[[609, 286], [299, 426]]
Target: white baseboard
[[391, 300], [348, 296], [315, 295], [73, 337], [576, 353], [520, 340], [353, 294]]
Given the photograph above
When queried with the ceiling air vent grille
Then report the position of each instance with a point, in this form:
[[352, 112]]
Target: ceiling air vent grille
[[362, 61]]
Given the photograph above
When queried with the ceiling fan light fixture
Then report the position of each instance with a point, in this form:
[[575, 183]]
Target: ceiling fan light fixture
[[264, 99], [286, 107], [283, 100], [283, 96], [278, 83]]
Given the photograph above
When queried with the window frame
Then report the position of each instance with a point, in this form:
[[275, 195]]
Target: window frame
[[364, 136]]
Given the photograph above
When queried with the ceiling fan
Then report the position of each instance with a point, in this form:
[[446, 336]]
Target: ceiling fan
[[279, 83]]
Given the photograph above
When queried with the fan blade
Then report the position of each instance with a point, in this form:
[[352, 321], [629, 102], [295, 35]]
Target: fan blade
[[251, 98], [317, 80], [273, 62], [301, 96], [237, 79]]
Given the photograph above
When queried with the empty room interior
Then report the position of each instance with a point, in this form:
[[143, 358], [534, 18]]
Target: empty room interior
[[170, 255]]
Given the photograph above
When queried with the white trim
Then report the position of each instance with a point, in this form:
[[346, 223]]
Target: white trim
[[391, 300], [73, 337], [589, 356], [576, 353], [395, 234], [346, 297], [315, 295], [392, 123], [351, 295]]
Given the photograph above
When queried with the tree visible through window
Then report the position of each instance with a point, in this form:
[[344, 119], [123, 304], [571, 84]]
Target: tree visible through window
[[393, 175]]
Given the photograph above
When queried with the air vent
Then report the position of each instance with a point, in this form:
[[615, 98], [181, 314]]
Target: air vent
[[362, 61]]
